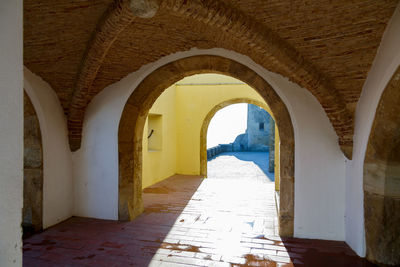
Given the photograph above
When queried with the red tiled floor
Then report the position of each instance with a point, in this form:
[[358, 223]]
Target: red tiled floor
[[188, 221]]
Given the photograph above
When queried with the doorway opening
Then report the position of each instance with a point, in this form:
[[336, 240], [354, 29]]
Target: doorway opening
[[241, 161], [242, 134], [136, 110], [175, 194]]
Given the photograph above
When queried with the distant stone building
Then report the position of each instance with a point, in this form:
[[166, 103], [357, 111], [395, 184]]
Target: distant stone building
[[259, 134]]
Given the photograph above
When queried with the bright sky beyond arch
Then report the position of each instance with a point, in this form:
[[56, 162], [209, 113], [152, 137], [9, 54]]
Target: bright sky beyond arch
[[227, 124]]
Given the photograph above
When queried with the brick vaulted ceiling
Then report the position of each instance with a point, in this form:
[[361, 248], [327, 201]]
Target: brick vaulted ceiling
[[81, 46]]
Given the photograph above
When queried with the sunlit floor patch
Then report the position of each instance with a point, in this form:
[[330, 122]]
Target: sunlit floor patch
[[240, 165]]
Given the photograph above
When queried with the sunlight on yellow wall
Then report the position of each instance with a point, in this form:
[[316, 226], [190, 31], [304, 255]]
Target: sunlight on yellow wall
[[184, 107], [193, 104]]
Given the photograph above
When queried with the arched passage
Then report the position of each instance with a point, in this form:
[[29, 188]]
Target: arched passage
[[382, 179], [136, 109], [206, 123], [32, 212]]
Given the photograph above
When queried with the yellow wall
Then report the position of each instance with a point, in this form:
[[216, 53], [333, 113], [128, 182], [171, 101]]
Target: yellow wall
[[184, 107], [159, 164], [193, 104]]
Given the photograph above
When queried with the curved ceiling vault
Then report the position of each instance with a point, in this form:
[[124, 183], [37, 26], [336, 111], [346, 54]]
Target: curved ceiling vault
[[228, 24]]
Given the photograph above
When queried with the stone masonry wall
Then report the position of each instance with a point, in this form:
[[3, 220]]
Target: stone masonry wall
[[258, 129], [33, 171]]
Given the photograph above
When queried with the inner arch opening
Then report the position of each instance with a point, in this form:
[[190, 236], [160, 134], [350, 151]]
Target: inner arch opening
[[136, 112], [239, 178], [242, 135]]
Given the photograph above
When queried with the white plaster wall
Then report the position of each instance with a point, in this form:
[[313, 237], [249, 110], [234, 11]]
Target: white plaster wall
[[386, 62], [96, 162], [319, 164], [11, 133], [57, 162]]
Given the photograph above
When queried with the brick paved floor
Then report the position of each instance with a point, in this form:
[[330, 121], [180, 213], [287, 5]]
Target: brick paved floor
[[188, 221]]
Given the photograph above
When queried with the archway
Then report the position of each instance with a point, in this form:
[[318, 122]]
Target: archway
[[32, 212], [206, 123], [382, 179], [136, 109]]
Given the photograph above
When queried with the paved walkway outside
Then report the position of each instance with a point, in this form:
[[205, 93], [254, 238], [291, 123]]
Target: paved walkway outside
[[188, 221], [241, 165]]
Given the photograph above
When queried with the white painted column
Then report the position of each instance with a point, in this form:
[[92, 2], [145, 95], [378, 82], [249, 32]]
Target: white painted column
[[11, 132]]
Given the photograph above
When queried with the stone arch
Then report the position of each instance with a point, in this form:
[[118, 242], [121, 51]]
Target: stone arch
[[32, 212], [382, 179], [134, 115], [207, 120]]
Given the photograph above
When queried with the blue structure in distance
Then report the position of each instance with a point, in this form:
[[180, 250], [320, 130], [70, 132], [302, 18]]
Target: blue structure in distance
[[259, 136]]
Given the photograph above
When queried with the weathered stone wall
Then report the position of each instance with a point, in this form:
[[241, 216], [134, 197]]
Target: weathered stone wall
[[257, 137], [241, 143], [271, 167], [382, 179], [258, 129], [216, 150], [33, 170]]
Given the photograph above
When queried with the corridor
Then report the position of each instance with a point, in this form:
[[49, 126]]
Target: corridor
[[191, 221]]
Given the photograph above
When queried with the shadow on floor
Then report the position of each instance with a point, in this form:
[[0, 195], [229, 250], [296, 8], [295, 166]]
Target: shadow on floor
[[91, 242], [313, 252], [261, 159]]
